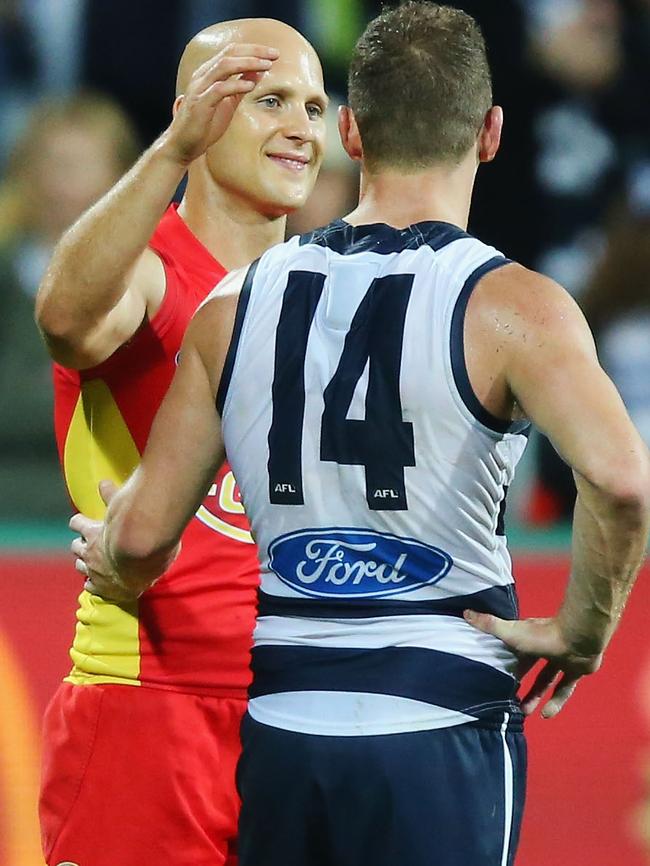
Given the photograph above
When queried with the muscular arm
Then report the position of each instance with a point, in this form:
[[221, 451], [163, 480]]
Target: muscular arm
[[549, 367], [146, 517], [102, 281]]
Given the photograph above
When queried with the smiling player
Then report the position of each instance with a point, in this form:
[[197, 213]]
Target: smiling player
[[141, 740]]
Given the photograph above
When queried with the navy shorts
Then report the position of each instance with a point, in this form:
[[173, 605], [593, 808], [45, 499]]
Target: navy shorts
[[449, 797]]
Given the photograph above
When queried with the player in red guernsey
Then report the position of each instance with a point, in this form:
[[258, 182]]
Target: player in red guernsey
[[141, 740]]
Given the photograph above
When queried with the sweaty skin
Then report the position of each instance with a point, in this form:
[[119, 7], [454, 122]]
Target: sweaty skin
[[529, 352], [252, 99], [229, 135]]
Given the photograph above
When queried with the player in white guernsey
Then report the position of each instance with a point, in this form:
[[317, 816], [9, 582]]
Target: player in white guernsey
[[374, 382]]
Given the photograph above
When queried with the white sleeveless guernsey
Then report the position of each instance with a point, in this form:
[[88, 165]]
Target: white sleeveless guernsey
[[374, 481]]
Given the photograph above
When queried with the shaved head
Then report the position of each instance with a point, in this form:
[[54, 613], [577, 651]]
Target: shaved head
[[262, 31]]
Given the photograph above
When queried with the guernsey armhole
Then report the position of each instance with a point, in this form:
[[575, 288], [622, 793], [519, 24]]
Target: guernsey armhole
[[164, 316], [457, 355]]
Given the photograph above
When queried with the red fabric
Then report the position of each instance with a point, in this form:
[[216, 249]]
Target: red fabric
[[196, 623], [111, 795]]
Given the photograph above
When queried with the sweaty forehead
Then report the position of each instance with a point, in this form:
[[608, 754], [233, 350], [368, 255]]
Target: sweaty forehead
[[298, 70], [297, 56]]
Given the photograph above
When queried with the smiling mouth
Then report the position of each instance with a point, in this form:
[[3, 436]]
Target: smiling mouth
[[291, 163]]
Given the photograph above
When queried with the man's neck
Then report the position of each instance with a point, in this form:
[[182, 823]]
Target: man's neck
[[227, 226], [399, 199]]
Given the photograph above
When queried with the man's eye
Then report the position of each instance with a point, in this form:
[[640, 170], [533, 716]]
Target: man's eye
[[270, 101], [314, 111]]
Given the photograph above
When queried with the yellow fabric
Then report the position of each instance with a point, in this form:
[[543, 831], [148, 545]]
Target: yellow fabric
[[99, 446], [106, 646]]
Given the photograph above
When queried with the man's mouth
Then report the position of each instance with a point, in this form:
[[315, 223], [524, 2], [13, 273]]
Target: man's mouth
[[291, 161]]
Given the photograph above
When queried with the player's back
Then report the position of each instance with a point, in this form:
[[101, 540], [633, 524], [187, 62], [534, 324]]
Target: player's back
[[375, 482]]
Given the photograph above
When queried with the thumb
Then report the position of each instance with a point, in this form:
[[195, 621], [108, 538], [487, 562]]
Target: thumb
[[107, 490]]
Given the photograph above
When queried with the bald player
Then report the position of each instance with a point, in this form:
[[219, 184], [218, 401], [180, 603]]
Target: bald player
[[141, 739]]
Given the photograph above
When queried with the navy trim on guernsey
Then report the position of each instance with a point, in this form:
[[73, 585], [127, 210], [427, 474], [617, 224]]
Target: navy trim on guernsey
[[498, 600], [427, 675], [501, 517], [457, 348], [229, 363], [346, 239]]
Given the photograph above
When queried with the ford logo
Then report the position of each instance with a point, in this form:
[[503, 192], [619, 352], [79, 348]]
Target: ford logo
[[354, 563]]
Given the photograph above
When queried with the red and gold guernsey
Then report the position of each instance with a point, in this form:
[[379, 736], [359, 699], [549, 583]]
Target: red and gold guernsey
[[192, 631]]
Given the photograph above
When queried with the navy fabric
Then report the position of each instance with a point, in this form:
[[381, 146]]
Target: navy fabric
[[501, 519], [431, 798], [301, 297], [439, 678], [457, 348], [499, 600], [240, 315], [346, 239]]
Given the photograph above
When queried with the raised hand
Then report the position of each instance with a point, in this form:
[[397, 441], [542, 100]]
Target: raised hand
[[533, 640], [205, 110]]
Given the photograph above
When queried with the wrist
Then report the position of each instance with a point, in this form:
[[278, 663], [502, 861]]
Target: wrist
[[166, 148], [587, 639]]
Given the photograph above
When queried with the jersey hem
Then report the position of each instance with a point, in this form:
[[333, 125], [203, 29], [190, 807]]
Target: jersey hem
[[201, 691]]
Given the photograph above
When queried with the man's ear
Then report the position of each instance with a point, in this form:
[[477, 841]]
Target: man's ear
[[349, 132], [177, 104], [490, 135]]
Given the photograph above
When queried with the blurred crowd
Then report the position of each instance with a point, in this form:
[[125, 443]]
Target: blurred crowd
[[84, 86]]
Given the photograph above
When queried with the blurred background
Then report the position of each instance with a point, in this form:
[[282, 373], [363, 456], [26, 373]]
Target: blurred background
[[85, 85]]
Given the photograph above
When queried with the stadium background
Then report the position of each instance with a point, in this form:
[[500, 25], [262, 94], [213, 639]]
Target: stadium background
[[569, 194]]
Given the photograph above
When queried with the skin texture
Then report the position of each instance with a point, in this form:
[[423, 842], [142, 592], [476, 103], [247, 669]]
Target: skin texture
[[252, 91], [529, 354]]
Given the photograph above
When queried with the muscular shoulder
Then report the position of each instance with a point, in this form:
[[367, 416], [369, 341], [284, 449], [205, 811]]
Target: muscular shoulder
[[513, 297], [211, 329], [519, 322]]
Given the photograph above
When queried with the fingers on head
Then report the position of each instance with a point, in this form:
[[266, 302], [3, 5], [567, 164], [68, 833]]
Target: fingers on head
[[227, 63]]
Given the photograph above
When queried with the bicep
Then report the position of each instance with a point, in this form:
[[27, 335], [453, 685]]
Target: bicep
[[185, 447], [88, 335], [184, 450]]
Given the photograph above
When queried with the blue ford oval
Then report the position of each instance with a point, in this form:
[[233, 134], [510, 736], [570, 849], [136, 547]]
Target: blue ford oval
[[355, 563]]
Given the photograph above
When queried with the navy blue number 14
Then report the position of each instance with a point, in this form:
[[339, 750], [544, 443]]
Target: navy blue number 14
[[383, 442]]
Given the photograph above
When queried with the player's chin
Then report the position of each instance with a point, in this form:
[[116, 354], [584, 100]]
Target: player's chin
[[287, 201]]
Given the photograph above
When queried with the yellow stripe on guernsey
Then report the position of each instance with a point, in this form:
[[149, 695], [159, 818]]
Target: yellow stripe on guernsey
[[99, 446]]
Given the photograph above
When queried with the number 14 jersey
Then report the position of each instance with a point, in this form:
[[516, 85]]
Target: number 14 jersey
[[374, 480]]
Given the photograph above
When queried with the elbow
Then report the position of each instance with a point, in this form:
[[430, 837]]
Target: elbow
[[53, 321], [68, 340], [628, 490], [43, 314]]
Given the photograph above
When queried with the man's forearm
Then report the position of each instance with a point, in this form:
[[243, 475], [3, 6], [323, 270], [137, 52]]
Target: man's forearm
[[135, 554], [90, 267], [609, 542]]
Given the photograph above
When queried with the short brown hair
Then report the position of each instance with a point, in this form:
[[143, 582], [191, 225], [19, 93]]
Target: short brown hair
[[419, 85]]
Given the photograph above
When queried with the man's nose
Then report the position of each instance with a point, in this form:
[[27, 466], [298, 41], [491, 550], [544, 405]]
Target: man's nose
[[297, 125]]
